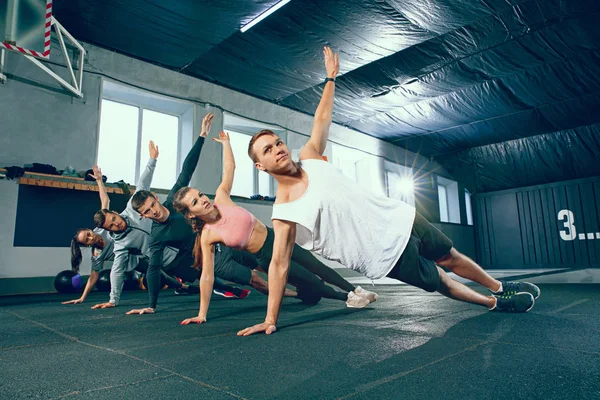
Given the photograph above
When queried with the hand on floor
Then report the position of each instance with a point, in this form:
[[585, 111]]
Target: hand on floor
[[76, 301], [196, 320], [103, 305], [265, 327], [141, 311]]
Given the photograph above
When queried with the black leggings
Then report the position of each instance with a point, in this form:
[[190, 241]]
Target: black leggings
[[168, 279], [310, 287], [306, 259]]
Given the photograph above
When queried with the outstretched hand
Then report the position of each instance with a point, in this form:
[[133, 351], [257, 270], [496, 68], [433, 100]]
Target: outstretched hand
[[153, 150], [223, 137], [103, 305], [141, 311], [206, 124], [195, 320], [97, 173], [332, 64], [265, 327], [76, 301]]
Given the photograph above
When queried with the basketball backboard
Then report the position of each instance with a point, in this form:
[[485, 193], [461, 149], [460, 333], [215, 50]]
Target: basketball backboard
[[25, 26]]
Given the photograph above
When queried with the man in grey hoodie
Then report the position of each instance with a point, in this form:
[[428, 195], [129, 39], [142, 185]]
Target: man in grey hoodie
[[131, 235]]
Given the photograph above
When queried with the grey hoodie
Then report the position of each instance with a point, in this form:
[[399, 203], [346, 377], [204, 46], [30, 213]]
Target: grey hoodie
[[135, 239]]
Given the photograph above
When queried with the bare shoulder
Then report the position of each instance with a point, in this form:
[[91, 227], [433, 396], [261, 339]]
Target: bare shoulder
[[209, 237]]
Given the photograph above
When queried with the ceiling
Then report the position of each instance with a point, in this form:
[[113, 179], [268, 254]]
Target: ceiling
[[502, 93]]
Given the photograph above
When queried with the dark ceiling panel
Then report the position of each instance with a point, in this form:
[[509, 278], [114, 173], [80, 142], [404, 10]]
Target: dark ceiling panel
[[568, 114], [282, 55], [170, 33], [554, 157], [471, 82]]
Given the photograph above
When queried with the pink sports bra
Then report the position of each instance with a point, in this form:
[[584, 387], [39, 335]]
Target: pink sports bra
[[235, 226]]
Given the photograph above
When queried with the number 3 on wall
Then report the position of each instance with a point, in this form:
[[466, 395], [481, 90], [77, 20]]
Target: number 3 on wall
[[570, 233]]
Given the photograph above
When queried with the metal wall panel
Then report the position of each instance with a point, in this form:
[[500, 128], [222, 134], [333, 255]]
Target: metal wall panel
[[555, 225]]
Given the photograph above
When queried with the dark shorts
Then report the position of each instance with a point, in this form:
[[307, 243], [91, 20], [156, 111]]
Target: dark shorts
[[417, 266], [234, 265]]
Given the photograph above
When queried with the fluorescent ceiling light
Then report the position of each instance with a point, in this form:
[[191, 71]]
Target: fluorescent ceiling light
[[264, 15]]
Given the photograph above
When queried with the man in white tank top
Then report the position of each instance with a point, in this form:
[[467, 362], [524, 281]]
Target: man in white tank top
[[325, 212]]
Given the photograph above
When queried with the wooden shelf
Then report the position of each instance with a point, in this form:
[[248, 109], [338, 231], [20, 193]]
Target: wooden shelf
[[66, 182]]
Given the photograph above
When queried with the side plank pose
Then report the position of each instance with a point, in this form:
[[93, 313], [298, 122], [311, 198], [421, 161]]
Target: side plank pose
[[328, 213], [222, 221], [170, 230], [102, 249], [131, 235]]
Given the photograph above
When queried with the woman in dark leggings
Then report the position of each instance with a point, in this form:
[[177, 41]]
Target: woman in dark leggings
[[101, 245], [225, 222]]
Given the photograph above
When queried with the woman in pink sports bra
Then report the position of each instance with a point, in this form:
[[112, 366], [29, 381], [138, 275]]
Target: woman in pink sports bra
[[225, 222]]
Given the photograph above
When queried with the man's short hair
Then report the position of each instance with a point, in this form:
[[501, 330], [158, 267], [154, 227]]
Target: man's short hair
[[262, 133], [100, 217], [139, 198]]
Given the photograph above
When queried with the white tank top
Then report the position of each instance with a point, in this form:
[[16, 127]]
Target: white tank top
[[342, 221]]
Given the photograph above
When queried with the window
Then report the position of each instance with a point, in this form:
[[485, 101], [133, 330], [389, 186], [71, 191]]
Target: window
[[117, 147], [443, 199], [243, 181], [469, 207], [400, 184], [448, 200], [345, 159], [248, 180], [129, 119]]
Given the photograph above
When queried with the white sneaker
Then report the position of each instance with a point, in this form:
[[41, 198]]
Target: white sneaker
[[371, 296], [356, 301]]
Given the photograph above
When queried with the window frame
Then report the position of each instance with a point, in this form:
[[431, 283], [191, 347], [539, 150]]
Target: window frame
[[255, 173], [148, 97]]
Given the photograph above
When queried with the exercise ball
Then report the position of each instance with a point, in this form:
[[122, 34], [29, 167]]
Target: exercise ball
[[68, 282], [144, 284], [131, 281], [103, 283]]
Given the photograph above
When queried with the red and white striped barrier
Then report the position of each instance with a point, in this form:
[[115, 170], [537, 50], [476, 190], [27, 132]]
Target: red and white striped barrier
[[47, 32]]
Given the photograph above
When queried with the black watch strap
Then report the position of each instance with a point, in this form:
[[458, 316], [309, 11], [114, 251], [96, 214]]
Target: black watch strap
[[329, 79]]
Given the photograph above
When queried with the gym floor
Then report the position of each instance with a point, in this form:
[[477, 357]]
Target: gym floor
[[408, 345]]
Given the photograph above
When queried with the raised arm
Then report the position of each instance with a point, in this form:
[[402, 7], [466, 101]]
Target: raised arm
[[285, 232], [191, 160], [104, 199], [315, 147], [146, 178], [224, 189], [207, 281]]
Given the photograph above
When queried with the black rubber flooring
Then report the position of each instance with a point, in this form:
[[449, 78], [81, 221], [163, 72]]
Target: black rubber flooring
[[408, 345]]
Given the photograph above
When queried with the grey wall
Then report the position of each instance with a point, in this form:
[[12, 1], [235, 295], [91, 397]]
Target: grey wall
[[523, 228], [41, 122]]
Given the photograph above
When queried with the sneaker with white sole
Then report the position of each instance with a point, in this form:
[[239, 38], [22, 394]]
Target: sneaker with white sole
[[513, 287], [514, 303], [371, 296], [356, 301]]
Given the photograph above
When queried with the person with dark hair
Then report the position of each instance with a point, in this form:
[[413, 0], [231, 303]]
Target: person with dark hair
[[102, 246], [322, 210], [169, 230], [131, 235], [222, 221]]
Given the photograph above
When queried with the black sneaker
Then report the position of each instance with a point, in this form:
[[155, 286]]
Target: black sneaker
[[511, 287], [515, 303], [181, 291]]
